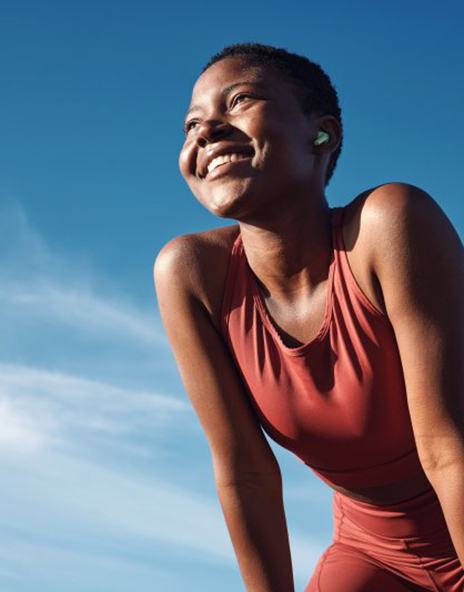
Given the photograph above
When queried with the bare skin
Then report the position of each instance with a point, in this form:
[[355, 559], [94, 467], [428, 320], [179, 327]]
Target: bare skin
[[213, 252], [288, 249], [274, 189]]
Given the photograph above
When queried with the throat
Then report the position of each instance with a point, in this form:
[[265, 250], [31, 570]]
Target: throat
[[299, 324]]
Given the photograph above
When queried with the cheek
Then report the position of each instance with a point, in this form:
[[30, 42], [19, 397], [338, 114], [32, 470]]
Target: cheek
[[290, 147], [182, 164], [185, 167], [185, 160]]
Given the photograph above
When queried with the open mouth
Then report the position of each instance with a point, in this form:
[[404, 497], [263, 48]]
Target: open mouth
[[224, 162]]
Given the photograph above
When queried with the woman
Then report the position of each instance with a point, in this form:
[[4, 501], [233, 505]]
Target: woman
[[339, 331]]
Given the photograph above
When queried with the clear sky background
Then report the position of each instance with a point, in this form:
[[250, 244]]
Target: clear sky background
[[106, 479]]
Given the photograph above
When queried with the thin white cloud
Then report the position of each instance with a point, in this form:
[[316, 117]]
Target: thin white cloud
[[82, 499], [51, 311], [48, 565], [19, 433], [38, 283], [40, 407], [19, 242], [63, 431], [80, 308]]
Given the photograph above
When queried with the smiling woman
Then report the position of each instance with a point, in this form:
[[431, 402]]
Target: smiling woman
[[264, 151], [335, 330]]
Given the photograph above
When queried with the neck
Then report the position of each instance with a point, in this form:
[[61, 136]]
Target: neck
[[290, 252]]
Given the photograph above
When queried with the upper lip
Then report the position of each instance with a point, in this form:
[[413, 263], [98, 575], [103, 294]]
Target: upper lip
[[219, 150]]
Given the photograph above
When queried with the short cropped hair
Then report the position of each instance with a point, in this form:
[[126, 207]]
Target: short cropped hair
[[315, 89]]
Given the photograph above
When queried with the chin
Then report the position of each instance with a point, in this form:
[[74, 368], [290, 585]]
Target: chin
[[225, 206], [227, 200]]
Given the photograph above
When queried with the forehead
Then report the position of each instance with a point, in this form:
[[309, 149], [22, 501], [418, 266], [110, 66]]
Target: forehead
[[231, 71]]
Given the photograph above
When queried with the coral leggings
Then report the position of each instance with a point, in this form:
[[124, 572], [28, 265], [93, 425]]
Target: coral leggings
[[395, 548]]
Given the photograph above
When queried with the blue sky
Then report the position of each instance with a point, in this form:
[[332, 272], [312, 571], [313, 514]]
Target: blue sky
[[106, 479]]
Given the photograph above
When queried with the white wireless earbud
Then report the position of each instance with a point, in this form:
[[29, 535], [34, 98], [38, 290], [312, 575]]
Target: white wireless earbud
[[322, 138]]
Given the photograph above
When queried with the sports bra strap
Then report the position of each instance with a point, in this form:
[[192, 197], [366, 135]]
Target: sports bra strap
[[337, 239], [337, 215]]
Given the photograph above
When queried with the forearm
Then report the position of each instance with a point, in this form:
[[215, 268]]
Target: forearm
[[448, 483], [255, 518]]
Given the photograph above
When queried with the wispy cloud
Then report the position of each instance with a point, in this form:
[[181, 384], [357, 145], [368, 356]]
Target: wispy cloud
[[81, 499], [38, 283], [83, 446], [79, 308], [19, 432], [85, 499], [25, 560], [40, 407]]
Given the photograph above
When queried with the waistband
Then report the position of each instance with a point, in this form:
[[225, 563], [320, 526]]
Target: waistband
[[378, 475], [415, 517]]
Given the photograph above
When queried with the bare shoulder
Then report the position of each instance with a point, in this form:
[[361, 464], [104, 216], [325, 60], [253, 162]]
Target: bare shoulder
[[188, 272], [393, 199], [198, 262], [399, 214], [375, 206], [386, 222]]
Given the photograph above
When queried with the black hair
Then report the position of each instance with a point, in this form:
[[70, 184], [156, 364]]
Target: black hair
[[314, 86]]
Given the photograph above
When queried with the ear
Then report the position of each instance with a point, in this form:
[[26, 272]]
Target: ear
[[328, 134]]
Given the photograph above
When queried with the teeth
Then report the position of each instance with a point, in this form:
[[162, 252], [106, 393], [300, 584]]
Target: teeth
[[225, 158]]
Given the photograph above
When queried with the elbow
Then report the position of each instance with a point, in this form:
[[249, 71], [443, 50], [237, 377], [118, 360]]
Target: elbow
[[439, 460]]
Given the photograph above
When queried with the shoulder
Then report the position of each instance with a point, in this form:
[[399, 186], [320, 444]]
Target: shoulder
[[377, 205], [413, 248], [197, 263], [396, 205], [195, 253], [400, 217], [391, 227], [394, 216]]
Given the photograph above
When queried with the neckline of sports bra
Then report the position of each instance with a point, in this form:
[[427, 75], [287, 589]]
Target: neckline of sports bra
[[265, 315]]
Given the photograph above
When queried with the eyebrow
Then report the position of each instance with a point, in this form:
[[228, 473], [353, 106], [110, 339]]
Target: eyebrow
[[226, 91]]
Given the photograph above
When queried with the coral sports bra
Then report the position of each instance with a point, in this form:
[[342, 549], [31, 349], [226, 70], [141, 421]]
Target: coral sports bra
[[339, 401]]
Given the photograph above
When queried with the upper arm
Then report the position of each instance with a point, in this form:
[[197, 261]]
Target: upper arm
[[419, 262], [238, 446]]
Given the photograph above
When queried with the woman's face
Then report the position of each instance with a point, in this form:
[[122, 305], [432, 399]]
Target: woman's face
[[248, 141]]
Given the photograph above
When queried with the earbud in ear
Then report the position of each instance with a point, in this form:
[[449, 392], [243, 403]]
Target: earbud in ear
[[322, 138]]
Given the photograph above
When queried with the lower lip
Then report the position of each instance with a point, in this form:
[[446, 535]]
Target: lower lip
[[224, 169]]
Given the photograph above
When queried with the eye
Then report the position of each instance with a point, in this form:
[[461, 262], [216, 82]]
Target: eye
[[189, 125], [239, 98]]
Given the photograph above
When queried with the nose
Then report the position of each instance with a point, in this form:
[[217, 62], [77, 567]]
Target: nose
[[211, 130]]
